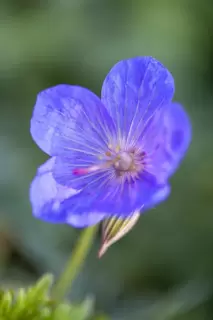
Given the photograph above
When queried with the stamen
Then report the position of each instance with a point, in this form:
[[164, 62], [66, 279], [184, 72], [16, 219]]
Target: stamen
[[117, 149]]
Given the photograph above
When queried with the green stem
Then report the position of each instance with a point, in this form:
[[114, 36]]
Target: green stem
[[74, 263]]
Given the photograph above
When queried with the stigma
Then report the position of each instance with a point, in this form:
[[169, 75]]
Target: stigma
[[82, 171], [123, 162]]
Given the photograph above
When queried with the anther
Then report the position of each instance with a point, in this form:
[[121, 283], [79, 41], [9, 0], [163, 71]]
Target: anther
[[108, 153], [117, 149]]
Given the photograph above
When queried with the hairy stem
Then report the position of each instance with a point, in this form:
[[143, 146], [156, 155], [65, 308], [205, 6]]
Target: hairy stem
[[74, 263]]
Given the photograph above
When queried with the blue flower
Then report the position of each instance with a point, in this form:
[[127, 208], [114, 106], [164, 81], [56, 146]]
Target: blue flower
[[113, 156]]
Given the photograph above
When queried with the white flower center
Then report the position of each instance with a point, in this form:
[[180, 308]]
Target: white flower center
[[123, 162]]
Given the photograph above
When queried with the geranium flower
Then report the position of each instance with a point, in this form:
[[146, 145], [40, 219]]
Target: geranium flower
[[110, 156]]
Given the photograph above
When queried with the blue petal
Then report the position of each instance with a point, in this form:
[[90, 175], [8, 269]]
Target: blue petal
[[179, 133], [48, 200], [46, 195], [169, 146], [68, 119], [64, 168], [135, 90], [119, 200], [159, 196]]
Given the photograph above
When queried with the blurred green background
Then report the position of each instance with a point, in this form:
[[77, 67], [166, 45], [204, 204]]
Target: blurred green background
[[163, 269]]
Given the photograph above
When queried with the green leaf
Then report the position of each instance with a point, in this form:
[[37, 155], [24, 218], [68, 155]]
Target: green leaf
[[6, 303], [77, 312], [35, 303], [41, 290], [26, 304]]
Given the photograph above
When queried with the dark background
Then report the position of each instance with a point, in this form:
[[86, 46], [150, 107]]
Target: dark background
[[163, 269]]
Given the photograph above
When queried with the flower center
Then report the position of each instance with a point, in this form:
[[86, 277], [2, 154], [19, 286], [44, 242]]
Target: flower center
[[123, 162]]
